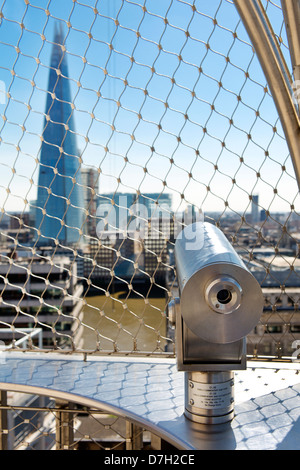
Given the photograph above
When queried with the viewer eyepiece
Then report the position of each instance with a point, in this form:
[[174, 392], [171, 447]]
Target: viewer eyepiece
[[224, 296]]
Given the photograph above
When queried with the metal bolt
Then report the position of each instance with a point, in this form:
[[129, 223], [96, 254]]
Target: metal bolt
[[192, 402]]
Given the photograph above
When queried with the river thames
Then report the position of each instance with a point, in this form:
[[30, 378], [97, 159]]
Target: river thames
[[128, 324]]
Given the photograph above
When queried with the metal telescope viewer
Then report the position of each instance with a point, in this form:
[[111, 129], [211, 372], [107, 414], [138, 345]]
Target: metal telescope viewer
[[220, 303]]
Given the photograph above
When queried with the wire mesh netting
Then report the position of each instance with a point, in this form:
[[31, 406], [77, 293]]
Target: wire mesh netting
[[40, 423], [122, 122]]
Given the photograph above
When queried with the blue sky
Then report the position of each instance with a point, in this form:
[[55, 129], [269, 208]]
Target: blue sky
[[146, 91]]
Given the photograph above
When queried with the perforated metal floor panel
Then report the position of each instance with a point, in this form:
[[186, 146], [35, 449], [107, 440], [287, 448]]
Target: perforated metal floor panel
[[150, 392]]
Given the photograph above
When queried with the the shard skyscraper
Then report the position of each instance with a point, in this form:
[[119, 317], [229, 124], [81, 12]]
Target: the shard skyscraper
[[59, 214]]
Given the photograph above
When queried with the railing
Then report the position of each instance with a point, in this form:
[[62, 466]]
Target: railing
[[122, 122], [36, 423], [131, 120], [26, 337]]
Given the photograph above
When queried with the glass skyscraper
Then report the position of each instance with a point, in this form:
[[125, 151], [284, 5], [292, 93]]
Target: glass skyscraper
[[59, 213]]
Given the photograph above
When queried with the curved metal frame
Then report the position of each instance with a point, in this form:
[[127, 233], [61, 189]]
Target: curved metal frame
[[291, 12], [274, 66]]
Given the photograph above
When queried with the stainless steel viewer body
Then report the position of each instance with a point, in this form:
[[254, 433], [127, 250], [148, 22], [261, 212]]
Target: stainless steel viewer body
[[220, 303]]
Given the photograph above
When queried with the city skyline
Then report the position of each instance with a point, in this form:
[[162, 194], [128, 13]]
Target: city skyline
[[157, 106]]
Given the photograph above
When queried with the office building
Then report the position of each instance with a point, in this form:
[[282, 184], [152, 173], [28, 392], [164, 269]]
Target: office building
[[59, 212], [89, 178], [255, 211], [48, 298]]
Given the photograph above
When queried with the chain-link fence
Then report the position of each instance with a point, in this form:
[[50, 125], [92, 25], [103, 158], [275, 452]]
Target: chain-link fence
[[121, 122]]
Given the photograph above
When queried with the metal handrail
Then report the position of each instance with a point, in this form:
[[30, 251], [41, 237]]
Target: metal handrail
[[29, 333]]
